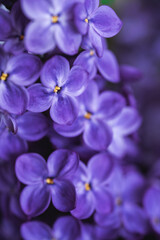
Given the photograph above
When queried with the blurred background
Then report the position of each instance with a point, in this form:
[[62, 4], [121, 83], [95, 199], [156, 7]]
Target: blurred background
[[138, 45]]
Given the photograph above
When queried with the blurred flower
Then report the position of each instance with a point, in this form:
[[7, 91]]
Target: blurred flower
[[91, 188]]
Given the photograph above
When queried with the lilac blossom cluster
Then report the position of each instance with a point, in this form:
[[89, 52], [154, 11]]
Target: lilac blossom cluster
[[68, 127]]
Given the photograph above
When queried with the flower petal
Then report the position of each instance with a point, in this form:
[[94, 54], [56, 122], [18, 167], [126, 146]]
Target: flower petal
[[64, 109], [77, 81], [14, 46], [103, 201], [121, 145], [26, 126], [135, 186], [108, 66], [91, 5], [11, 146], [151, 202], [135, 219], [73, 130], [87, 62], [55, 72], [80, 14], [127, 122], [96, 41], [111, 221], [40, 98], [31, 168], [67, 39], [8, 181], [62, 163], [90, 97], [13, 99], [23, 69], [5, 25], [34, 9], [63, 195], [84, 206], [100, 166], [36, 230], [15, 207], [39, 37], [97, 135], [81, 176], [106, 22], [35, 199], [130, 74], [68, 226], [3, 59], [110, 104]]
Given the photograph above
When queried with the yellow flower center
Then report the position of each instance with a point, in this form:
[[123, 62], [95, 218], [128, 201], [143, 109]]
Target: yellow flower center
[[88, 115], [87, 187], [49, 181], [156, 221], [119, 201], [86, 20], [21, 37], [54, 19], [91, 52], [4, 76], [56, 89]]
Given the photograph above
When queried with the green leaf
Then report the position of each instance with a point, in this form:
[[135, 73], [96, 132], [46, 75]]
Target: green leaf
[[107, 2]]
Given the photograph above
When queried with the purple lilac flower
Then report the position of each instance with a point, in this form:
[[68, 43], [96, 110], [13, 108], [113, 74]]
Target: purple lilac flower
[[51, 25], [74, 144], [5, 25], [125, 124], [87, 232], [129, 74], [12, 29], [97, 22], [9, 227], [8, 180], [91, 188], [64, 228], [11, 146], [106, 64], [15, 73], [152, 207], [128, 217], [15, 131], [10, 188], [58, 90], [47, 180], [95, 112]]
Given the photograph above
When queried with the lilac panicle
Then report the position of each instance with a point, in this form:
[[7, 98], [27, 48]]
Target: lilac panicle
[[46, 181], [78, 109]]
